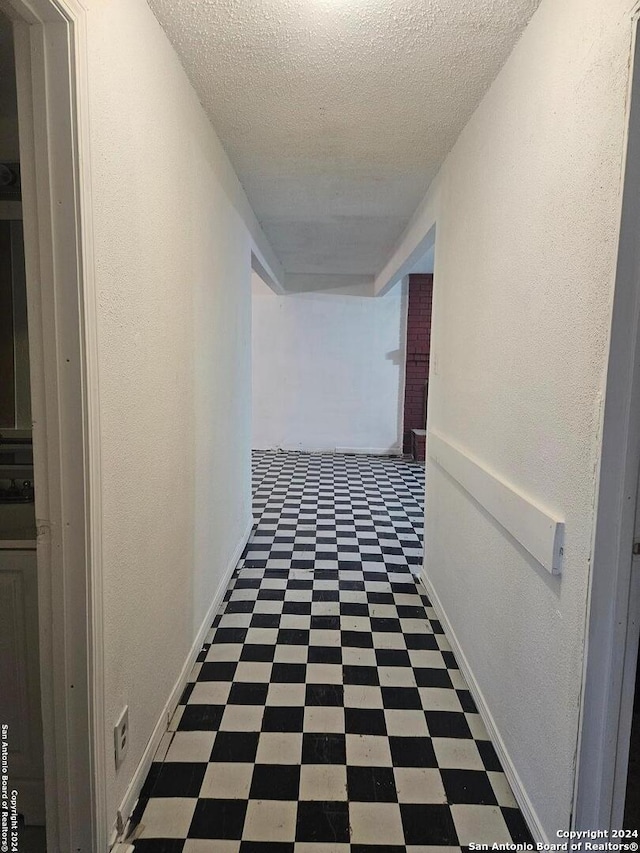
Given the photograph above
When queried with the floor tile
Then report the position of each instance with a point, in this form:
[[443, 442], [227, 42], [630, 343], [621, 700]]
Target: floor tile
[[404, 723], [476, 727], [218, 671], [323, 748], [323, 719], [480, 824], [516, 825], [447, 724], [487, 751], [412, 752], [155, 845], [218, 818], [323, 782], [468, 786], [460, 753], [365, 721], [502, 789], [289, 673], [169, 817], [428, 824], [322, 821], [227, 781], [324, 673], [396, 676], [200, 717], [275, 782], [235, 746], [242, 718], [286, 694], [253, 671], [439, 699], [179, 779], [290, 654], [324, 695], [368, 750], [326, 712], [283, 719], [371, 784], [419, 785], [376, 823], [279, 748], [210, 693], [190, 746]]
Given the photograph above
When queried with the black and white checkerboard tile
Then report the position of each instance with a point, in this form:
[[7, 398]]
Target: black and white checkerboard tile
[[326, 711]]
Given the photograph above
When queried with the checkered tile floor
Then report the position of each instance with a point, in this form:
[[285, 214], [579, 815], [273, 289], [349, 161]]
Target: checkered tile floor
[[326, 712]]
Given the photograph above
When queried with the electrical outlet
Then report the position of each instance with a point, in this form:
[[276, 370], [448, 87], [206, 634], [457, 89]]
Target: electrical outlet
[[121, 736]]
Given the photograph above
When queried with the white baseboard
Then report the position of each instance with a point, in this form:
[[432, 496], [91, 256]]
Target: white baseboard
[[519, 792], [133, 791], [360, 451], [370, 451]]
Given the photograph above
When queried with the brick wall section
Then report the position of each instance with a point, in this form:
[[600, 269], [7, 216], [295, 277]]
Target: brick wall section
[[417, 356]]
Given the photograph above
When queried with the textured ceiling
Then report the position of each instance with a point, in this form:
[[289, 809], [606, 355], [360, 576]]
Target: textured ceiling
[[336, 114]]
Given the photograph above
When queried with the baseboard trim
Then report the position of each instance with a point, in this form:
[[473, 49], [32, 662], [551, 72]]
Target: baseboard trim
[[519, 792], [352, 451], [370, 451], [133, 791]]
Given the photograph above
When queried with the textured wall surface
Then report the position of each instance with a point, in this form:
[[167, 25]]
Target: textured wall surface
[[337, 114], [328, 370], [173, 259], [527, 207]]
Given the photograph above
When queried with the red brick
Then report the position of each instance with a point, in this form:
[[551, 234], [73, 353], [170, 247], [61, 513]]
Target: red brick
[[417, 357]]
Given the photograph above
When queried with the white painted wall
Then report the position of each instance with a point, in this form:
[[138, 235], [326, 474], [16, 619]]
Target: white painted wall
[[328, 369], [173, 235], [527, 210]]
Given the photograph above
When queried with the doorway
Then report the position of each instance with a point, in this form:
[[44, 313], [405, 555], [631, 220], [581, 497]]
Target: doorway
[[20, 699], [61, 608], [607, 757]]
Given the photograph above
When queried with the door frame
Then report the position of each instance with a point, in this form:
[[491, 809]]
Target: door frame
[[611, 640], [51, 71]]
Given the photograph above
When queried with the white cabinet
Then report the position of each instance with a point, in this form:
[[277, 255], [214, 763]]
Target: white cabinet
[[20, 678]]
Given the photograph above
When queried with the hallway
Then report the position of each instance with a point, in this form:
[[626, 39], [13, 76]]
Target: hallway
[[327, 711]]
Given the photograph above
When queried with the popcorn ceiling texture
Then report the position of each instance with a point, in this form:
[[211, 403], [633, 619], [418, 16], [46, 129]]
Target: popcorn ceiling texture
[[336, 115]]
